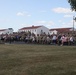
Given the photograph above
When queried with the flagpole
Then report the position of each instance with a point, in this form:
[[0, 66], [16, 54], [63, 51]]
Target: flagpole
[[74, 20]]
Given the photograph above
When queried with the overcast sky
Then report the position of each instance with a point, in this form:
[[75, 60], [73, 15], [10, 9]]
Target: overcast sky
[[22, 13]]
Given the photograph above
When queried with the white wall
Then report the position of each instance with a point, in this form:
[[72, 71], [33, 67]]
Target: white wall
[[37, 30], [1, 32], [43, 29], [7, 31], [10, 31], [53, 32], [31, 30]]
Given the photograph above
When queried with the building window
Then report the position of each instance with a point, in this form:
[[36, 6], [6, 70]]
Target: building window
[[41, 31]]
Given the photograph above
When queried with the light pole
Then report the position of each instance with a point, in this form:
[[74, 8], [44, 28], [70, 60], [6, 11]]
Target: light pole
[[74, 19]]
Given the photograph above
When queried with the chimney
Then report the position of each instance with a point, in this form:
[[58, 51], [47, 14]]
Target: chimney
[[32, 25]]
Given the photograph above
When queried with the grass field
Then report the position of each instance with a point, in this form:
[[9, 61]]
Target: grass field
[[37, 60]]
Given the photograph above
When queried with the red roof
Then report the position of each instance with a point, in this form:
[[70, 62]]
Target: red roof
[[32, 27], [62, 29], [2, 30]]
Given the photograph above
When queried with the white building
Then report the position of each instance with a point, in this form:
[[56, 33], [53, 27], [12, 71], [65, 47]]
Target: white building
[[60, 30], [6, 31], [35, 29], [53, 32]]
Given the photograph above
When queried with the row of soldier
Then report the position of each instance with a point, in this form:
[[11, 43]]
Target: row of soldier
[[60, 39]]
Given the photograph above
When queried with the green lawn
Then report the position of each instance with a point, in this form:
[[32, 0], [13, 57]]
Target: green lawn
[[37, 60]]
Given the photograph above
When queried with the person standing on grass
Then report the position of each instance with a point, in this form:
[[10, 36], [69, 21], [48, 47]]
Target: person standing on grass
[[54, 39], [59, 39], [71, 40], [48, 39], [64, 39]]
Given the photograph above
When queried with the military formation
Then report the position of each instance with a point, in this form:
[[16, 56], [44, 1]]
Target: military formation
[[31, 38]]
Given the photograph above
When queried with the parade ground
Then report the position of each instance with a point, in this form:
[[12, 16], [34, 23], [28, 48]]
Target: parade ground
[[27, 59]]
